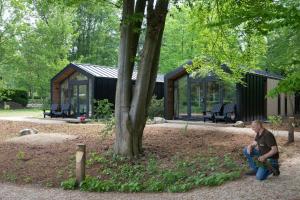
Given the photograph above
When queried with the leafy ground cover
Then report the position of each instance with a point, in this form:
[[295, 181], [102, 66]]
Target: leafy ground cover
[[116, 173]]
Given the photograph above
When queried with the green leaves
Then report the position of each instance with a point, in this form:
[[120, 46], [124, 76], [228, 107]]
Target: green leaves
[[151, 175]]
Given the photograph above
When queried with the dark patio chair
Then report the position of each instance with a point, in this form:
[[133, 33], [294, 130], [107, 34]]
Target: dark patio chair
[[53, 109], [64, 112], [215, 111], [229, 113]]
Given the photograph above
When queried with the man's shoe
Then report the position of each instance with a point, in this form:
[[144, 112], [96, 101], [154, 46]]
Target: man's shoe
[[250, 173], [276, 171]]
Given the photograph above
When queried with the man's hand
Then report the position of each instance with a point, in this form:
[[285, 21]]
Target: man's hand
[[262, 158], [249, 149]]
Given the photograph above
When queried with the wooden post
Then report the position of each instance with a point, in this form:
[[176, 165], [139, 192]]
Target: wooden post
[[291, 130], [80, 163]]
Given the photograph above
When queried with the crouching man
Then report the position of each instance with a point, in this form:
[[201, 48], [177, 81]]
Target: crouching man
[[262, 154]]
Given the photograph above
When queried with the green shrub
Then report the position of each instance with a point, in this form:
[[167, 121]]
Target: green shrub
[[14, 95], [275, 120], [156, 108], [103, 109]]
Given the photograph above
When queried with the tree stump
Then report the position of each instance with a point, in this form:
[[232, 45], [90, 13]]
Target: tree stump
[[80, 163]]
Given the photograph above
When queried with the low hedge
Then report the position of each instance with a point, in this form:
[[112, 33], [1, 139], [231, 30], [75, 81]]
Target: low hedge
[[14, 95]]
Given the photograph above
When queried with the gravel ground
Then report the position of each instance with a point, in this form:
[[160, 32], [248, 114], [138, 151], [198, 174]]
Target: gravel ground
[[285, 187], [225, 129]]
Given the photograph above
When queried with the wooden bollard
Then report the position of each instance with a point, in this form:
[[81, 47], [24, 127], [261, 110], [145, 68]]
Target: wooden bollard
[[291, 130], [80, 163]]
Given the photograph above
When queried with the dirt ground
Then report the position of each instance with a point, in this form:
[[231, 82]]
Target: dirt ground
[[48, 165]]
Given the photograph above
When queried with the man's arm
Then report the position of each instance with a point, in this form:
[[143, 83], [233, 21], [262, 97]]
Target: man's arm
[[274, 150], [251, 146]]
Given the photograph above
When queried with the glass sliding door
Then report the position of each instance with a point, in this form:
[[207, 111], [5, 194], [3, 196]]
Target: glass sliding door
[[180, 98], [74, 101], [212, 94], [193, 97], [197, 99], [79, 99], [82, 99]]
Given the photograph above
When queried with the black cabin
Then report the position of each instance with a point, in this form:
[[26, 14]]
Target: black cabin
[[189, 98], [80, 84]]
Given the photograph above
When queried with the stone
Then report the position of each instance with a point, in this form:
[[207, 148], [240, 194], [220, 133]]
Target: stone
[[239, 124], [28, 131], [159, 120]]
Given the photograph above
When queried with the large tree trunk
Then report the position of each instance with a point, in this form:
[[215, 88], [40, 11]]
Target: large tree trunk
[[131, 109]]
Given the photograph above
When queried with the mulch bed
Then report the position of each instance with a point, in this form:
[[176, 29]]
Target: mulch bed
[[51, 164]]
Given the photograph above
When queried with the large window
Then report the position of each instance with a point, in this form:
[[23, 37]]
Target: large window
[[180, 97], [212, 94], [197, 99], [64, 93], [195, 96], [78, 76], [229, 93]]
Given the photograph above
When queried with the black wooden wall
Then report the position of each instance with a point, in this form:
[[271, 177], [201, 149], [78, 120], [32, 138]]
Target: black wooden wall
[[105, 88], [251, 101], [297, 103]]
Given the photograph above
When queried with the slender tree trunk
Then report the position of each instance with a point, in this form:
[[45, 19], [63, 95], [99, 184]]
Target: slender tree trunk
[[128, 48], [131, 109]]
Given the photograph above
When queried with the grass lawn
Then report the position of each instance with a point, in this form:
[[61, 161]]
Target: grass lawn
[[32, 112]]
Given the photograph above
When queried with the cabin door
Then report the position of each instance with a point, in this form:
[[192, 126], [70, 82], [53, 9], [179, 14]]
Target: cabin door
[[79, 98]]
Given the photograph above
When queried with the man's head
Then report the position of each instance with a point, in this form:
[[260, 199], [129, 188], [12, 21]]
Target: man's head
[[257, 126]]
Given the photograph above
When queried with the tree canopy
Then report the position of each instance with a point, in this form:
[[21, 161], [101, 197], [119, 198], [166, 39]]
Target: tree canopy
[[38, 38]]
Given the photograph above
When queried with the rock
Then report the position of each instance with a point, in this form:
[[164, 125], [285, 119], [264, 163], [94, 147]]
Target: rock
[[159, 120], [28, 131], [239, 124]]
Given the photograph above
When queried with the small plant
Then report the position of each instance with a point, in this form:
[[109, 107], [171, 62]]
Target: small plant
[[95, 185], [21, 155], [27, 179], [9, 176], [69, 184], [109, 126], [49, 184], [229, 163], [95, 158], [154, 185], [131, 187], [275, 121]]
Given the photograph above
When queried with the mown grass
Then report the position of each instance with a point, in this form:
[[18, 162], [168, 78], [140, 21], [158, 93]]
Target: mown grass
[[26, 112], [116, 173]]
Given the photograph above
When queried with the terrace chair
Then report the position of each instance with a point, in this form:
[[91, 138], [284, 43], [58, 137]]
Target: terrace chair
[[215, 111], [53, 109], [229, 113], [64, 112]]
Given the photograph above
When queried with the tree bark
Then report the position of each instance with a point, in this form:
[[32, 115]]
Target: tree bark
[[127, 52], [291, 130], [131, 109]]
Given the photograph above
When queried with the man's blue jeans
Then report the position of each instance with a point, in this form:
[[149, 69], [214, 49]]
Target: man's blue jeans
[[261, 172]]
